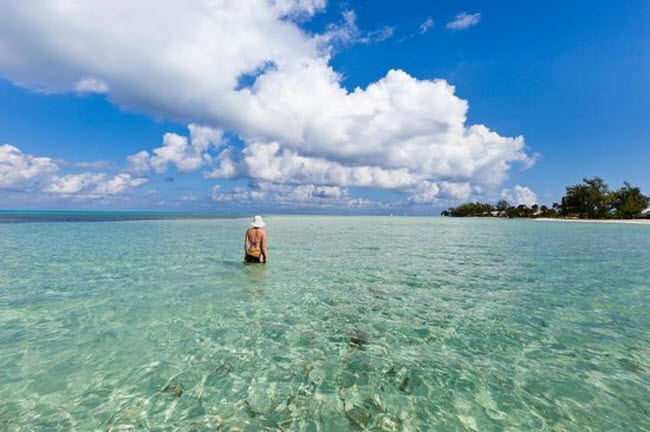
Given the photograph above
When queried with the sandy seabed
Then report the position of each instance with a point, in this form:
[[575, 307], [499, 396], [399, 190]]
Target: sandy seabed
[[616, 221]]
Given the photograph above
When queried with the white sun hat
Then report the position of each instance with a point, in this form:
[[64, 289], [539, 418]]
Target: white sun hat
[[258, 222]]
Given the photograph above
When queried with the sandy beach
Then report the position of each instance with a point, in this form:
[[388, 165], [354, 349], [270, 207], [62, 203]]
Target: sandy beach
[[606, 221]]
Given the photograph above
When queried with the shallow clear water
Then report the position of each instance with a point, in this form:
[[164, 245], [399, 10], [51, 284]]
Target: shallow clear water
[[357, 322]]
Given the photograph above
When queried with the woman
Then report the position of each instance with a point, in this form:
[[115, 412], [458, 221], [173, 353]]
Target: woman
[[255, 242]]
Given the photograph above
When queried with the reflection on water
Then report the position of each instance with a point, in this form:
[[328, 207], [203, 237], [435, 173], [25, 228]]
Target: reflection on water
[[257, 276], [490, 325], [255, 272]]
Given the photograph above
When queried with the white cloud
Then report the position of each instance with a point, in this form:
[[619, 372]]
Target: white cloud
[[72, 183], [457, 191], [519, 195], [91, 185], [396, 133], [298, 8], [227, 167], [268, 162], [97, 164], [431, 193], [378, 35], [426, 25], [27, 173], [304, 195], [347, 32], [398, 123], [117, 185], [237, 194], [190, 197], [188, 154], [425, 193], [23, 170], [464, 20], [91, 85], [203, 137], [177, 150], [298, 122], [139, 163]]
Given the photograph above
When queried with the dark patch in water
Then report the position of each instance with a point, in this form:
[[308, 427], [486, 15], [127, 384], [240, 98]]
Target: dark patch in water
[[359, 340], [631, 365], [176, 390]]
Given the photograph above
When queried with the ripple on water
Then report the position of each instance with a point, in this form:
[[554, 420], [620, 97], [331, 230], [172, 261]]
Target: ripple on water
[[155, 325]]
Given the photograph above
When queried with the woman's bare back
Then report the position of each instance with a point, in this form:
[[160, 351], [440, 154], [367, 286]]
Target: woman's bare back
[[255, 239], [255, 236]]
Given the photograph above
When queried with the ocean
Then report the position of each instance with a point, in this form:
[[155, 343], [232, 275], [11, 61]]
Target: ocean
[[379, 323]]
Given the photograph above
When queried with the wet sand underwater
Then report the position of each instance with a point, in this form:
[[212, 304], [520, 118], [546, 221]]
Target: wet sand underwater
[[489, 324]]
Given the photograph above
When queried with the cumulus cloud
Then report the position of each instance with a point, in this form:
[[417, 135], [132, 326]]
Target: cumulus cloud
[[139, 163], [519, 195], [431, 193], [89, 185], [188, 154], [118, 184], [298, 123], [304, 195], [26, 173], [72, 184], [19, 170], [227, 166], [464, 20], [457, 191], [398, 132], [425, 193], [268, 162], [177, 150], [426, 25]]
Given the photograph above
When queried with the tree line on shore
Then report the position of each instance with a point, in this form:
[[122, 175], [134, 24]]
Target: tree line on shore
[[591, 199]]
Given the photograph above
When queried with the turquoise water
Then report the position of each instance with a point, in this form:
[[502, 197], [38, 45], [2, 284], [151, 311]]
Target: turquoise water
[[357, 322]]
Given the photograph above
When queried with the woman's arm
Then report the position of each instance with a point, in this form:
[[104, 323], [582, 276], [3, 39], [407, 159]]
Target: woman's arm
[[266, 254], [245, 243]]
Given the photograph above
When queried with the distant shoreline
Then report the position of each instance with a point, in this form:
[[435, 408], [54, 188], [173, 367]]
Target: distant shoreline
[[31, 216], [609, 221]]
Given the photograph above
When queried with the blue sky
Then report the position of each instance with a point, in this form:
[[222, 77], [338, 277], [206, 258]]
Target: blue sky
[[570, 77]]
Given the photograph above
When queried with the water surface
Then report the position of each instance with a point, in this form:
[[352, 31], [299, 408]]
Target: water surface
[[357, 322]]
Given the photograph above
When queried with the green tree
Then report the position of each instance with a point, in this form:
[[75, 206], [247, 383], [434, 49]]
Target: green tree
[[588, 200], [471, 209], [521, 211], [502, 206], [629, 202]]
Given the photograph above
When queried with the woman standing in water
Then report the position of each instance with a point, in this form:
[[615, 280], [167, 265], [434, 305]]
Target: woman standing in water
[[255, 242]]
